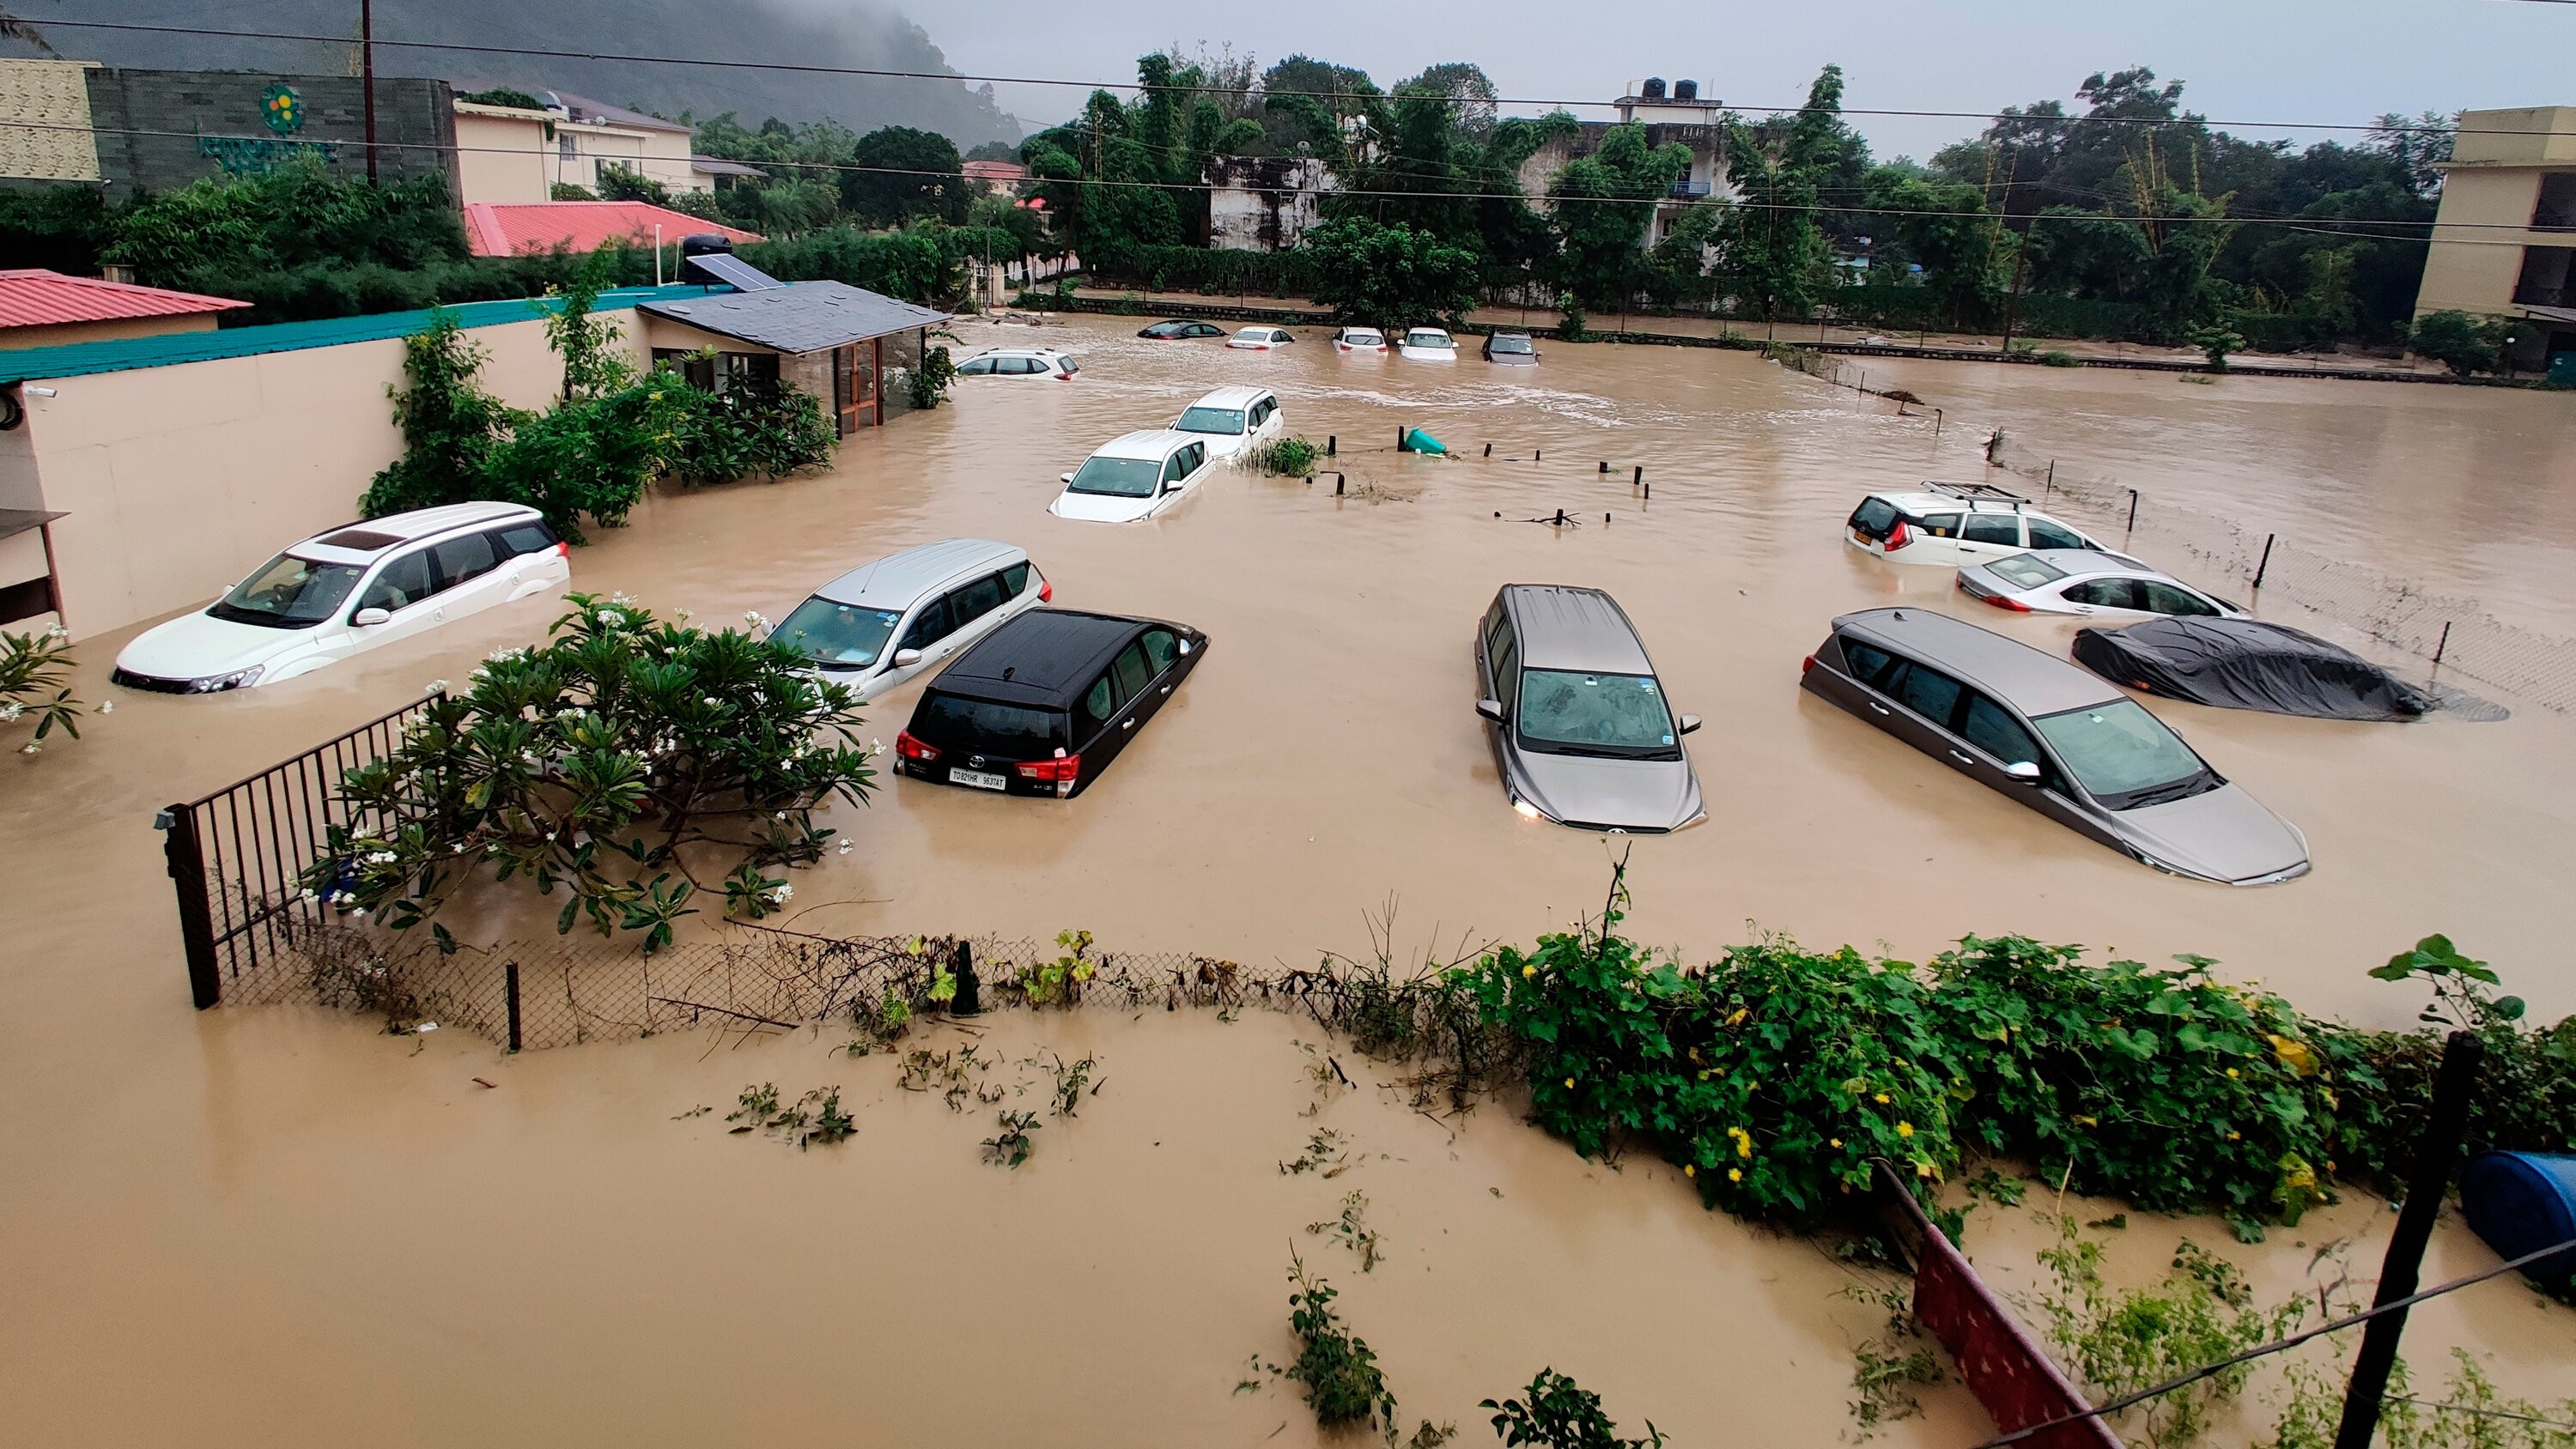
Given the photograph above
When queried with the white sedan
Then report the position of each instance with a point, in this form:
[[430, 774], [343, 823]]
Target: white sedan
[[1360, 339], [2086, 581], [355, 588], [1261, 339], [1428, 344]]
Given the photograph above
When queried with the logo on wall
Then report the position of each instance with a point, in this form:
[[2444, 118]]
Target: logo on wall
[[283, 108]]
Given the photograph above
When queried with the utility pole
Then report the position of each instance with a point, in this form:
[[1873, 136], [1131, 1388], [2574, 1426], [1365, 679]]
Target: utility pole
[[2012, 299], [367, 77]]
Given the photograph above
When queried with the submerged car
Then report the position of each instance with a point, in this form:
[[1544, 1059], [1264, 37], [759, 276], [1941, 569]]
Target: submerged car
[[1134, 477], [886, 621], [1232, 419], [2249, 664], [1360, 339], [1512, 348], [1579, 725], [1046, 701], [1954, 524], [1428, 344], [1020, 362], [2055, 738], [1180, 329], [2086, 581], [349, 590], [1260, 339]]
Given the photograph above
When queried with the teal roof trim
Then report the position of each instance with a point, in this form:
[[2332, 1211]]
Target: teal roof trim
[[80, 359]]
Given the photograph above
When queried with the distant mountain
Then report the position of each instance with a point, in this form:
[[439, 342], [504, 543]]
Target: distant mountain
[[863, 33]]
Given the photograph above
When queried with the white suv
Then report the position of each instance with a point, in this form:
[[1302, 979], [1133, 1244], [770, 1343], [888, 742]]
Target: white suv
[[1134, 477], [1232, 419], [1954, 525], [1019, 362]]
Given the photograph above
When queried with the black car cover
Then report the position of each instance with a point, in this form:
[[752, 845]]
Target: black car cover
[[2248, 664]]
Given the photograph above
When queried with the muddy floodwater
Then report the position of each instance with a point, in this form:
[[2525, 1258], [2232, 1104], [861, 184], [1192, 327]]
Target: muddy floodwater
[[271, 1226]]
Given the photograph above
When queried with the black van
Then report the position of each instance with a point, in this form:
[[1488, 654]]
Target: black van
[[1041, 705]]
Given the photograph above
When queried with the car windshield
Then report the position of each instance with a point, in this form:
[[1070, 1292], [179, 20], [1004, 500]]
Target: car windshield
[[2025, 572], [1563, 711], [2124, 756], [1118, 477], [1428, 339], [837, 635], [1228, 421], [289, 593], [1364, 339], [982, 727], [1512, 344]]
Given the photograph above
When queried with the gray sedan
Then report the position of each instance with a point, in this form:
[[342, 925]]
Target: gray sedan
[[1578, 721], [2055, 738]]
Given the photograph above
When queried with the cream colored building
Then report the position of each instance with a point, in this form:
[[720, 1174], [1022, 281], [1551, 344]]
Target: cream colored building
[[45, 121], [2506, 234], [514, 154]]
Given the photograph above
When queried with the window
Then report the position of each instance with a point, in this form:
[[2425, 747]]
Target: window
[[1929, 693], [982, 727], [1507, 672], [1874, 518], [975, 367], [461, 560], [530, 537], [403, 583], [1162, 646], [1621, 716], [1132, 674], [1942, 525], [1069, 365], [2104, 593], [1015, 579], [2024, 572], [1194, 456], [1869, 664], [1117, 477], [2173, 599], [974, 601], [1992, 528], [697, 369], [288, 593], [743, 369], [2557, 208], [1176, 467], [929, 626], [2044, 534], [1992, 728], [2124, 756], [1098, 704], [833, 633]]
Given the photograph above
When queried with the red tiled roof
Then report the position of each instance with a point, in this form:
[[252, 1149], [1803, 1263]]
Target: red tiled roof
[[995, 172], [35, 297], [508, 228]]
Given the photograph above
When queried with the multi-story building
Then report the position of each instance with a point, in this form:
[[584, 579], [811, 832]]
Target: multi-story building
[[2505, 238], [519, 154], [1670, 114]]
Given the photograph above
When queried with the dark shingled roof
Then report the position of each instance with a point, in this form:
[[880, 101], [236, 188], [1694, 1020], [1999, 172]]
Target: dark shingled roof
[[799, 317]]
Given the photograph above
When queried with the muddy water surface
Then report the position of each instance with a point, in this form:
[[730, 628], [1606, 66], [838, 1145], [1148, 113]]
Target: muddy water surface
[[271, 1227]]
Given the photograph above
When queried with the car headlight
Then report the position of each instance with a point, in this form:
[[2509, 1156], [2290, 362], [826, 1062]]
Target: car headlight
[[217, 683]]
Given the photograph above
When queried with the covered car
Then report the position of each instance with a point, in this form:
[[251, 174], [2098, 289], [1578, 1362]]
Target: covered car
[[2248, 664]]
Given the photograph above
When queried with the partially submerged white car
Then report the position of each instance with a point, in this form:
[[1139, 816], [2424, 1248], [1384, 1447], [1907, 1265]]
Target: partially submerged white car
[[1261, 339], [886, 621], [1134, 477], [1232, 419], [2087, 581], [1360, 339], [354, 588], [1428, 344]]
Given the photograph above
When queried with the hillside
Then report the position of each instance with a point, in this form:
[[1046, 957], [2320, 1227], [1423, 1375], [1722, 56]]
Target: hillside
[[863, 33]]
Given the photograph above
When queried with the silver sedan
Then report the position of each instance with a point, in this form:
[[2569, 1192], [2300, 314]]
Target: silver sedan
[[2086, 581], [1579, 725]]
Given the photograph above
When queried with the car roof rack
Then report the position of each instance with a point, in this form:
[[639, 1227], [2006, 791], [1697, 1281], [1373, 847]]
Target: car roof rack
[[1976, 491]]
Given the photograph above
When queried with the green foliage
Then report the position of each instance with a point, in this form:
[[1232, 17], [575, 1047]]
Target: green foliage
[[503, 96], [570, 191], [591, 456], [2458, 341], [583, 341], [211, 234], [1286, 455], [1352, 1229], [33, 665], [2215, 343], [60, 227], [1390, 277], [626, 759], [1599, 207], [1009, 1146], [1343, 1383], [2055, 357], [1059, 982], [450, 426], [755, 428], [618, 183], [1561, 1414], [927, 385], [906, 173], [2118, 1342]]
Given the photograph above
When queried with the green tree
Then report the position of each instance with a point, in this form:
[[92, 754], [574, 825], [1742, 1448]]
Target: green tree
[[1390, 277], [449, 424], [2459, 341], [1942, 226], [904, 173], [1600, 207], [1774, 252]]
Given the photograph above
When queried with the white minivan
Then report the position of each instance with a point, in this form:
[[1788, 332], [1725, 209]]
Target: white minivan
[[884, 622], [352, 589], [1135, 477], [1232, 419]]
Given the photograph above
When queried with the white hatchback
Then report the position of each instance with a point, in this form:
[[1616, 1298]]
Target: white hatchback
[[1232, 419], [1135, 477], [1261, 339], [352, 589], [1429, 344], [884, 622], [1020, 362], [1360, 339], [1954, 525]]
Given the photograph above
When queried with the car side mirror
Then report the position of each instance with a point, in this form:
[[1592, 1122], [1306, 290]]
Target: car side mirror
[[1690, 722], [1065, 478], [1185, 646], [370, 618], [906, 658], [2023, 771], [1491, 709]]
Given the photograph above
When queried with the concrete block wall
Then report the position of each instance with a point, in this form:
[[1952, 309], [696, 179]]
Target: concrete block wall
[[152, 124]]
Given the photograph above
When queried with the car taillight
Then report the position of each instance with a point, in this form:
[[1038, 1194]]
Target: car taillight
[[562, 549], [2001, 602], [1046, 592], [1898, 537], [913, 749], [1806, 664], [1057, 771]]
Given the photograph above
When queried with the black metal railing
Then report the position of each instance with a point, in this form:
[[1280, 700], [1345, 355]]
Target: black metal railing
[[239, 858]]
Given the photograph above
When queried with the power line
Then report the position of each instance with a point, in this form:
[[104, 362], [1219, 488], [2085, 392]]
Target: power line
[[804, 68]]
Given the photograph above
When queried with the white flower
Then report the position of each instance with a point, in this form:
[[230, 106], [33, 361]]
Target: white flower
[[684, 615], [875, 748], [107, 706], [30, 748], [436, 686], [612, 618], [621, 597], [782, 814], [778, 894], [501, 656], [752, 617], [57, 631], [845, 846], [711, 702], [10, 710]]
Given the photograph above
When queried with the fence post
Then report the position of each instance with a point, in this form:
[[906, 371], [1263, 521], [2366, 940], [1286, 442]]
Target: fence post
[[2443, 645], [1936, 422], [1639, 477], [187, 863], [1330, 444], [969, 1000], [1605, 465], [2052, 477], [510, 998], [2266, 563], [2437, 1152], [2133, 510]]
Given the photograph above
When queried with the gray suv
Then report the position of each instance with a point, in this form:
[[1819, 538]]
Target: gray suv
[[2057, 739], [1580, 727]]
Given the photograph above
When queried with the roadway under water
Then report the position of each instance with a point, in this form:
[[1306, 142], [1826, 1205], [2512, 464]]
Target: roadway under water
[[271, 1226]]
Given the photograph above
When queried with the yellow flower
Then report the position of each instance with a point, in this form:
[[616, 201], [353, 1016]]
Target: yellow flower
[[1904, 1129], [1923, 1169], [2233, 1136], [1836, 1141], [1689, 1171], [1528, 971], [2231, 1072], [2295, 1055], [2088, 1122], [1569, 1082], [1882, 1099], [1735, 1174], [1736, 1017]]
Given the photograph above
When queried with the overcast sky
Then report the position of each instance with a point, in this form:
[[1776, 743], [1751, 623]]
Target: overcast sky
[[2243, 60]]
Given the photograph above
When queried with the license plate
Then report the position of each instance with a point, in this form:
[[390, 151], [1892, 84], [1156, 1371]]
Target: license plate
[[980, 779]]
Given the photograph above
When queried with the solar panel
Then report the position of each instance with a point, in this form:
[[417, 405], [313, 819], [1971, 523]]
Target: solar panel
[[734, 272]]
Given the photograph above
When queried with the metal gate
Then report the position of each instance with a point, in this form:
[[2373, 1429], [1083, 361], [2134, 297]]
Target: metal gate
[[238, 857]]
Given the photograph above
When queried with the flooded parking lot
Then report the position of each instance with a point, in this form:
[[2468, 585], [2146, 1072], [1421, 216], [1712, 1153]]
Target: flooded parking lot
[[275, 1227]]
